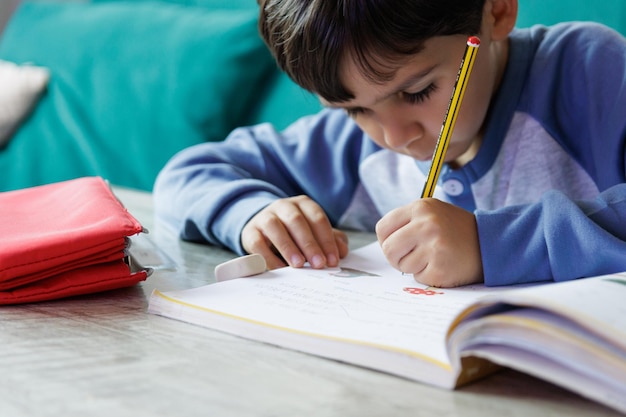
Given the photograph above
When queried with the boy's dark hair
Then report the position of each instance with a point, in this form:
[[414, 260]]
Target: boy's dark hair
[[310, 38]]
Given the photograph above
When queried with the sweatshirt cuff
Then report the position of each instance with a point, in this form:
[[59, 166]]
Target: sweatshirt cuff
[[228, 225]]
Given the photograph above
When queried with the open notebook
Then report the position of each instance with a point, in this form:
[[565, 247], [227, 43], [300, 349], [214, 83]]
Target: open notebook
[[368, 314]]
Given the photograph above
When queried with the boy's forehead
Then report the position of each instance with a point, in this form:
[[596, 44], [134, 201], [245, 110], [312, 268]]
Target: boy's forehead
[[406, 73]]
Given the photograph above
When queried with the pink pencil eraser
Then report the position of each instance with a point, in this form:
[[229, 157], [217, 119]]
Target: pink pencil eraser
[[473, 41]]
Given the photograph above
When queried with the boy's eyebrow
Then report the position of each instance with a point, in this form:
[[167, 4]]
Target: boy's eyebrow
[[409, 82]]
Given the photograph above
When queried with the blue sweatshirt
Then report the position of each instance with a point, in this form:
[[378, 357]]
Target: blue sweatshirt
[[547, 186]]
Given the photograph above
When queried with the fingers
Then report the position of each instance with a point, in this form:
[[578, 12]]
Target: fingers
[[300, 230], [396, 235], [341, 239], [294, 231], [392, 222], [254, 242], [435, 241], [312, 232]]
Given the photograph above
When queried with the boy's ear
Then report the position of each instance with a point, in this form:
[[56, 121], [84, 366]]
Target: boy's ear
[[501, 15]]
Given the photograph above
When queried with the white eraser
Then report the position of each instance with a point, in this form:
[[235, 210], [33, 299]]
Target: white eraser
[[243, 266]]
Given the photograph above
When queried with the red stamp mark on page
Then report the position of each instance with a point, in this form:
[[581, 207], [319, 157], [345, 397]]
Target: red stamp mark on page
[[421, 291]]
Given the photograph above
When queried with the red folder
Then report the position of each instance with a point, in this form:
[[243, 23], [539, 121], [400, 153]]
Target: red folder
[[64, 239]]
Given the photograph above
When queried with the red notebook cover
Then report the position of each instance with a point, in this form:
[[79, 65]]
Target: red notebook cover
[[63, 239]]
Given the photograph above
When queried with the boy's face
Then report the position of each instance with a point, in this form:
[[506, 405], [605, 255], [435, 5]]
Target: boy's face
[[406, 114]]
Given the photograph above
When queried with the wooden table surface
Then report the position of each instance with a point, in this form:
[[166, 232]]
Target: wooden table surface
[[103, 355]]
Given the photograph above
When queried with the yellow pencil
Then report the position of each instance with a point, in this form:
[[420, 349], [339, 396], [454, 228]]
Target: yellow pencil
[[451, 114]]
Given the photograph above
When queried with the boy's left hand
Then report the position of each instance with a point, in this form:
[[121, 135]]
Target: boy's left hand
[[437, 242], [292, 231]]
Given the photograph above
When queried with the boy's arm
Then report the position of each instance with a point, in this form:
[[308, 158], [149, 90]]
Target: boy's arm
[[556, 239], [583, 106], [209, 192]]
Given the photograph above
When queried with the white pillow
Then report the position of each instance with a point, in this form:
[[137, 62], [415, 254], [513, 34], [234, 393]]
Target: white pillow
[[20, 88]]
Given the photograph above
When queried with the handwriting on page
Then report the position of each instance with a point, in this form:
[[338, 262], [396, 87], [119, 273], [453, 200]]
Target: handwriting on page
[[331, 303]]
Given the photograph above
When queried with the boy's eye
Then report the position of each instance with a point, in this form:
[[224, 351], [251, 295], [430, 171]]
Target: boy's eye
[[412, 98], [354, 111], [421, 96]]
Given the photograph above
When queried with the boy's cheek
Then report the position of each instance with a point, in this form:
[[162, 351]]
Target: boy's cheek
[[371, 129]]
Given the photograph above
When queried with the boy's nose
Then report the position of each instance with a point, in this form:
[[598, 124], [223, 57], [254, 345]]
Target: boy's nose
[[399, 134]]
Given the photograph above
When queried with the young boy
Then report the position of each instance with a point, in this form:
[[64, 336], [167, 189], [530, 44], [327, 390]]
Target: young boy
[[534, 183]]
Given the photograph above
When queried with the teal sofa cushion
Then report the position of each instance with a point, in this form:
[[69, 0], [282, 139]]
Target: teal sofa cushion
[[282, 103], [211, 4], [609, 12], [130, 85]]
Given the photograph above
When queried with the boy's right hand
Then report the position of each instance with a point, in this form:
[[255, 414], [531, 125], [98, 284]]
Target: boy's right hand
[[294, 231]]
